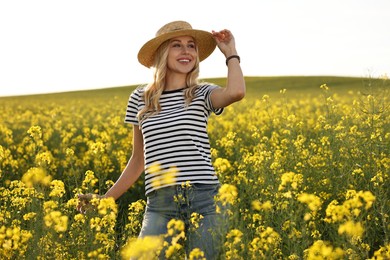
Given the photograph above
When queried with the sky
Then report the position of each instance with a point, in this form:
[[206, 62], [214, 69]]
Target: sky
[[51, 46]]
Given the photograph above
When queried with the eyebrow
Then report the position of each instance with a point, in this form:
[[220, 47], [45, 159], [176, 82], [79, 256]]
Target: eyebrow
[[190, 41]]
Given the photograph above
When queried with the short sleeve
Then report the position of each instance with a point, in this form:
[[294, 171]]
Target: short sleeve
[[133, 107], [209, 104]]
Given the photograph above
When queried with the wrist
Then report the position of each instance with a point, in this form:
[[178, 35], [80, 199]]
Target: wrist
[[230, 53], [234, 56]]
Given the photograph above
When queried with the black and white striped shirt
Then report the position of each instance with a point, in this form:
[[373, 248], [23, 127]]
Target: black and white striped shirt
[[176, 143]]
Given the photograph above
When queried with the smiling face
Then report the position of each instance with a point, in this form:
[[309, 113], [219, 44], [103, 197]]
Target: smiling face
[[182, 55]]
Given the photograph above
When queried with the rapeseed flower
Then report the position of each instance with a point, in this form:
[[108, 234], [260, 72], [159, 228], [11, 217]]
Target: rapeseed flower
[[383, 253], [233, 245], [195, 220], [294, 180], [36, 175], [57, 188], [13, 241], [196, 254], [337, 142], [257, 205], [222, 165], [145, 248], [351, 228], [29, 216], [323, 250], [175, 234], [227, 194], [106, 206], [35, 132], [312, 201], [90, 180], [266, 245], [56, 220]]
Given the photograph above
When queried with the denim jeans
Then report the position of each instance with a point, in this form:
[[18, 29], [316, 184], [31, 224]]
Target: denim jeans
[[179, 202]]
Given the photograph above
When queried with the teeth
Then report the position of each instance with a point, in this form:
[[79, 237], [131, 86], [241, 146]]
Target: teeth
[[184, 60]]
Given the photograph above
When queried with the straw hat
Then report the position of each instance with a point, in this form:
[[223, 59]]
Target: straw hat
[[204, 40]]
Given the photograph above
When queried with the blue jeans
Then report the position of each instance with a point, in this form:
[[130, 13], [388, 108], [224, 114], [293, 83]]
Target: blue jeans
[[179, 202]]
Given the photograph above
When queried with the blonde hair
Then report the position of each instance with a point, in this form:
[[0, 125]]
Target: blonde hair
[[152, 92]]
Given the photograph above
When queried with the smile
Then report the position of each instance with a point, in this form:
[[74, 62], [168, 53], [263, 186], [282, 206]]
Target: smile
[[184, 60]]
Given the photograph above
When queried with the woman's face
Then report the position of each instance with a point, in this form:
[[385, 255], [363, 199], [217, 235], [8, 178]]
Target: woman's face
[[182, 54]]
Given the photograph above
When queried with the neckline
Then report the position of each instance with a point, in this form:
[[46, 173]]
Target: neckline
[[173, 90]]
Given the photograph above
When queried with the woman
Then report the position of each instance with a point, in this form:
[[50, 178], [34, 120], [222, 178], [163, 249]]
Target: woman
[[170, 141]]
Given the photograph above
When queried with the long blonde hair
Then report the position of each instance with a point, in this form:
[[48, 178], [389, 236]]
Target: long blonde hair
[[152, 93]]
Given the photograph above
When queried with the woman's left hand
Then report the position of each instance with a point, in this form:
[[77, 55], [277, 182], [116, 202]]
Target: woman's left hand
[[225, 42]]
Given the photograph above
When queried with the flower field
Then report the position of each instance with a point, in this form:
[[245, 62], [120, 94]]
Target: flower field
[[304, 168]]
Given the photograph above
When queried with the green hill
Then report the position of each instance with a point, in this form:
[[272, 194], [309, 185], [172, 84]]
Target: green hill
[[256, 88]]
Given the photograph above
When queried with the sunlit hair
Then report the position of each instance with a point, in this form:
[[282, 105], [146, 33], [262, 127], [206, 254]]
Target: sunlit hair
[[153, 90]]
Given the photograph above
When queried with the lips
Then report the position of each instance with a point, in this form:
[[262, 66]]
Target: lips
[[184, 60]]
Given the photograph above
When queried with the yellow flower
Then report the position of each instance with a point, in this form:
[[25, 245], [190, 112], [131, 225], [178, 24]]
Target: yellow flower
[[173, 248], [44, 158], [267, 205], [174, 226], [49, 205], [13, 241], [290, 178], [323, 250], [79, 218], [195, 220], [266, 245], [57, 188], [351, 228], [35, 132], [170, 176], [222, 165], [34, 176], [56, 220], [383, 253], [145, 248], [368, 197], [313, 202], [90, 180], [107, 205], [227, 194], [97, 148], [324, 87], [257, 205], [154, 169], [96, 223], [69, 152], [29, 216], [236, 235], [197, 254], [176, 234]]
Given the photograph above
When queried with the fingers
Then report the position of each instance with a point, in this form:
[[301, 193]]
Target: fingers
[[84, 202], [223, 35]]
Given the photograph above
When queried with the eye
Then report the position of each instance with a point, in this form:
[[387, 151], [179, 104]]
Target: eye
[[191, 45], [176, 45]]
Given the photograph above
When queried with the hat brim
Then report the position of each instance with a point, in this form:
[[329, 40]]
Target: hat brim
[[205, 42]]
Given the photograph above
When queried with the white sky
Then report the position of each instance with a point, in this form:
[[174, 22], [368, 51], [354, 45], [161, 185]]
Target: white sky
[[55, 46]]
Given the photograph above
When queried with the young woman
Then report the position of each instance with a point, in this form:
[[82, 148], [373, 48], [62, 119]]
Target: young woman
[[170, 141]]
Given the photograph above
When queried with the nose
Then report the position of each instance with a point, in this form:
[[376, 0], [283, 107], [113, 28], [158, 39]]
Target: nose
[[185, 49]]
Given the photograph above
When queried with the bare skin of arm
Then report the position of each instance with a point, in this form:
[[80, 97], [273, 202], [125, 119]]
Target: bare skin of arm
[[235, 87], [129, 176]]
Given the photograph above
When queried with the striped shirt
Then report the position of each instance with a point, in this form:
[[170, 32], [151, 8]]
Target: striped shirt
[[176, 143]]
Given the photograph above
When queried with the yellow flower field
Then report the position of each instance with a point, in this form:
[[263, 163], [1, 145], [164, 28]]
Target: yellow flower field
[[305, 176]]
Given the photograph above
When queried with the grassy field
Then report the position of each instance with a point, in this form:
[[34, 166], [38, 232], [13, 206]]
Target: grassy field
[[304, 163], [256, 86]]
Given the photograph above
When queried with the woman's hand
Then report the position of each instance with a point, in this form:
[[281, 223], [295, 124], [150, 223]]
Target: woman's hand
[[85, 202], [225, 42]]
